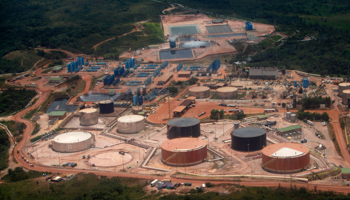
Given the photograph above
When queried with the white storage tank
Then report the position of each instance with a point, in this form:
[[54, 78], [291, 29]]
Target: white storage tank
[[200, 92], [131, 124], [72, 141], [88, 117], [346, 97], [342, 87], [227, 93], [293, 117], [288, 115]]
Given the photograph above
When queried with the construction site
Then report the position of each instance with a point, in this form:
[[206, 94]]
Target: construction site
[[127, 119]]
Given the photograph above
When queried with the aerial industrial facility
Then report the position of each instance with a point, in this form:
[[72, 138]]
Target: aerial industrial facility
[[162, 110]]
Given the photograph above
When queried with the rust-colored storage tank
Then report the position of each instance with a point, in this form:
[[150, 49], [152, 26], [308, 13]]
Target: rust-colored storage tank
[[184, 151], [285, 157]]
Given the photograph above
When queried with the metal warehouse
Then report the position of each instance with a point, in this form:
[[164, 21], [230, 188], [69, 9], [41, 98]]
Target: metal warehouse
[[263, 73], [285, 157], [184, 151], [248, 139], [289, 129]]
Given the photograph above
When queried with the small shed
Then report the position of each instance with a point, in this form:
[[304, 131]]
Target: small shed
[[57, 69], [345, 173], [57, 114]]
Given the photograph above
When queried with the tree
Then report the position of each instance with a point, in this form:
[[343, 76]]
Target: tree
[[221, 113], [283, 105], [173, 90]]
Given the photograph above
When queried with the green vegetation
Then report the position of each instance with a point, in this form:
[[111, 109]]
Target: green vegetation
[[18, 61], [12, 100], [89, 186], [314, 102], [312, 116], [73, 25], [173, 90], [18, 174], [16, 129], [334, 139], [82, 186], [30, 114], [4, 147], [36, 128]]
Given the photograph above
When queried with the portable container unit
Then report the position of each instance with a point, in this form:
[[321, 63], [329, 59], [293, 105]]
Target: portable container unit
[[134, 99], [91, 70], [249, 26], [101, 63], [305, 83], [179, 67], [95, 67], [295, 83], [116, 81], [126, 72], [140, 100]]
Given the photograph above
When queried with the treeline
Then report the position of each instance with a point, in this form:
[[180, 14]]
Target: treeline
[[4, 147], [314, 102], [302, 115], [220, 114], [12, 100], [89, 186], [72, 25]]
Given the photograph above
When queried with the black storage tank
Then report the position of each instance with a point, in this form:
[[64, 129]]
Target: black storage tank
[[183, 127], [248, 139], [106, 107]]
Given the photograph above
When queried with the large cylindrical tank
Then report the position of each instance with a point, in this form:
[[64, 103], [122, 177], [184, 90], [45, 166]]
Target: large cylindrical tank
[[295, 83], [248, 139], [140, 100], [200, 92], [293, 117], [88, 117], [144, 92], [342, 87], [346, 96], [131, 124], [72, 141], [106, 107], [134, 100], [288, 114], [285, 157], [226, 93], [183, 127], [184, 151], [305, 83]]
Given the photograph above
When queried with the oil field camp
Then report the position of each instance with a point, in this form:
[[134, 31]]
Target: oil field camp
[[181, 110]]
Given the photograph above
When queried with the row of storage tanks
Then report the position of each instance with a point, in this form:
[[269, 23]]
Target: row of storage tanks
[[221, 93], [344, 92], [185, 148]]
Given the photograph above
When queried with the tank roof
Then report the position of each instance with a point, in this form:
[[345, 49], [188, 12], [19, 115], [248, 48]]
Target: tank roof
[[72, 137], [248, 132], [131, 118], [344, 84], [88, 110], [183, 122], [199, 89], [227, 89], [183, 144], [283, 150], [105, 102], [346, 91]]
